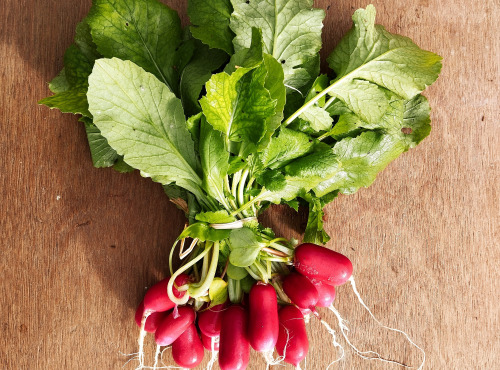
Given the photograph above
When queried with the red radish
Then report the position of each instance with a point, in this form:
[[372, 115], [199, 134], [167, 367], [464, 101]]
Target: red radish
[[152, 321], [300, 290], [187, 350], [209, 320], [326, 293], [292, 335], [171, 328], [321, 263], [156, 298], [207, 342], [263, 325], [234, 346]]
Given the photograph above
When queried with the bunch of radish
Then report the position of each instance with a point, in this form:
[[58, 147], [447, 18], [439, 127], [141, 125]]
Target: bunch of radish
[[270, 317]]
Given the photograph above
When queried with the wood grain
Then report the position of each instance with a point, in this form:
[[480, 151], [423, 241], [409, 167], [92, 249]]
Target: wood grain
[[79, 245]]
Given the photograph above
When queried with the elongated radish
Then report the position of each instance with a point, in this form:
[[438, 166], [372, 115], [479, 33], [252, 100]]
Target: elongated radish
[[207, 342], [152, 321], [292, 338], [321, 263], [326, 293], [234, 346], [263, 323], [187, 350], [300, 290], [172, 327], [156, 298], [209, 320]]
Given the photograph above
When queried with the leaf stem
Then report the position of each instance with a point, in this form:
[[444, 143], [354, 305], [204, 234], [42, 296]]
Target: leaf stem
[[201, 290]]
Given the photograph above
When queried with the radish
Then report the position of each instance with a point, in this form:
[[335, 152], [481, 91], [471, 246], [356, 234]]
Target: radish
[[207, 342], [263, 317], [234, 346], [173, 326], [156, 298], [209, 320], [301, 291], [321, 263], [152, 321], [326, 293], [187, 350], [292, 338]]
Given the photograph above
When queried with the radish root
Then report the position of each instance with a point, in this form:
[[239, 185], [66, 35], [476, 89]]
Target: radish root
[[335, 343], [213, 355], [355, 290], [157, 355], [142, 336]]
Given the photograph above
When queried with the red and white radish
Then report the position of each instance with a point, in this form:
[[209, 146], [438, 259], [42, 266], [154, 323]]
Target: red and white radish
[[152, 321], [156, 298], [321, 263], [207, 342], [292, 338], [326, 293], [300, 290], [187, 350], [172, 326], [263, 325], [234, 346], [209, 320]]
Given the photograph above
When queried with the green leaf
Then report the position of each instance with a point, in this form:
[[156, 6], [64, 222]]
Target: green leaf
[[235, 272], [370, 58], [244, 247], [314, 232], [59, 83], [394, 62], [203, 232], [102, 154], [122, 167], [291, 32], [214, 162], [83, 39], [145, 32], [143, 121], [247, 58], [238, 106], [196, 73], [217, 292], [285, 147], [301, 175], [217, 217], [71, 101], [318, 118], [210, 21], [247, 283], [361, 159]]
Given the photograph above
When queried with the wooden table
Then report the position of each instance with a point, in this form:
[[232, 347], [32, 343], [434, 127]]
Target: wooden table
[[79, 245]]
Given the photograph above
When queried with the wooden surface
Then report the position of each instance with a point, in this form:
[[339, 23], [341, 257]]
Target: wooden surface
[[79, 245]]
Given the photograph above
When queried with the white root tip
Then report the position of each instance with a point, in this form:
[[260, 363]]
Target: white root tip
[[213, 353], [270, 360], [355, 290], [142, 336], [335, 343], [157, 356]]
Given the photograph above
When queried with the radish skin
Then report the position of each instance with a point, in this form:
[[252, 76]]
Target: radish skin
[[152, 321], [326, 293], [156, 298], [300, 290], [209, 320], [187, 350], [172, 327], [321, 263], [292, 339], [234, 346], [207, 342], [263, 325]]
